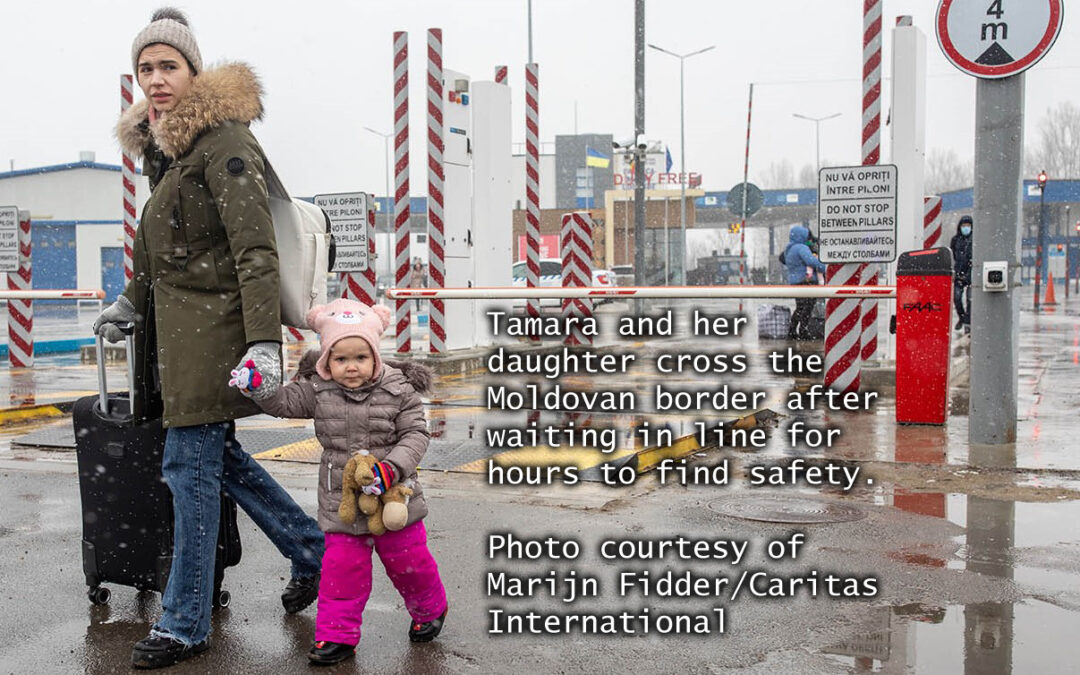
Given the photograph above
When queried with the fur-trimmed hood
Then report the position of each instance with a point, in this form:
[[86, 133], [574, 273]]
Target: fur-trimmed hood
[[419, 376], [229, 92]]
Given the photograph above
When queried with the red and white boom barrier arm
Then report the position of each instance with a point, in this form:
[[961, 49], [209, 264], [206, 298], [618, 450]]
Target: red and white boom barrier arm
[[513, 293], [46, 294]]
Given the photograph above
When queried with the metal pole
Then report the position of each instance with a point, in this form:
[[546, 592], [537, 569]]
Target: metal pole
[[1040, 245], [530, 32], [386, 167], [682, 173], [1068, 241], [999, 156], [667, 245], [682, 152], [639, 131], [817, 134], [626, 233], [817, 145], [745, 193]]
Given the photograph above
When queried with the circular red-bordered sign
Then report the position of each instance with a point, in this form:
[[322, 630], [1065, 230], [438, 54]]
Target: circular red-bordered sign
[[997, 38]]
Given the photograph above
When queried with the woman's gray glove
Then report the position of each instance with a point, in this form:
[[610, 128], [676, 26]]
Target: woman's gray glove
[[262, 359], [108, 322]]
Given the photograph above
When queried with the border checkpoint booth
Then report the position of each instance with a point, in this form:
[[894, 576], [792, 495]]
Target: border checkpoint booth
[[478, 204]]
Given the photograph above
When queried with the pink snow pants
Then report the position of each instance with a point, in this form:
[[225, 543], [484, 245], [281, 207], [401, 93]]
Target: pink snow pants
[[346, 580]]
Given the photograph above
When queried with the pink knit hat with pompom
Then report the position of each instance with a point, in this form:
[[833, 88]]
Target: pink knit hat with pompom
[[348, 318]]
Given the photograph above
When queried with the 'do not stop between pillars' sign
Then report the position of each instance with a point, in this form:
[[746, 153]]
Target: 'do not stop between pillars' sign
[[997, 38]]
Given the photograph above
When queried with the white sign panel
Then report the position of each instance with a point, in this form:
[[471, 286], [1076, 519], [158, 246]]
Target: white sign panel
[[997, 38], [348, 213], [857, 214], [9, 239]]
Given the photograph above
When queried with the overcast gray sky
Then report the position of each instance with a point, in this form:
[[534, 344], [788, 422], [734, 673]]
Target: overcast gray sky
[[326, 66]]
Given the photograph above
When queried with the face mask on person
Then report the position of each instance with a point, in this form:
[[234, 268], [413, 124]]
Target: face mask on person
[[965, 230]]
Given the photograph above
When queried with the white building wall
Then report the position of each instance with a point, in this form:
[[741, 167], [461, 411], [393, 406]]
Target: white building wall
[[74, 194], [80, 194]]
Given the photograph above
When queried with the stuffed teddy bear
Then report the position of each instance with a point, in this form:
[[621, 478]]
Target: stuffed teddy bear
[[388, 511]]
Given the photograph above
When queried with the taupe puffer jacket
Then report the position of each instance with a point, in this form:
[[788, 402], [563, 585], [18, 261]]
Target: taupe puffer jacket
[[385, 417]]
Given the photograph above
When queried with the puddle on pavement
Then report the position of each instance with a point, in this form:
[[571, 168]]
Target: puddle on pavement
[[1034, 545], [984, 638]]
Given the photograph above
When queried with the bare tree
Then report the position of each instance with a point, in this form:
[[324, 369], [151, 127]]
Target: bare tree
[[1057, 149], [945, 171], [807, 177], [778, 175]]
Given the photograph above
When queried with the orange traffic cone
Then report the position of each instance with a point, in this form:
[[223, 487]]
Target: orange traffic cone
[[1050, 299]]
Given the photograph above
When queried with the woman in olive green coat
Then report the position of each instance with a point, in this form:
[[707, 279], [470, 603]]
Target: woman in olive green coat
[[204, 298]]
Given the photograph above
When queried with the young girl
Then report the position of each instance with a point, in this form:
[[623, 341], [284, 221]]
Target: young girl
[[360, 403]]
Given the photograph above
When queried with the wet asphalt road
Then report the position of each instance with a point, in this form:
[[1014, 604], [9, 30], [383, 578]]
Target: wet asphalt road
[[974, 553], [942, 585]]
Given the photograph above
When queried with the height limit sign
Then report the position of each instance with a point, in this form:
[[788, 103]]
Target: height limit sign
[[857, 214]]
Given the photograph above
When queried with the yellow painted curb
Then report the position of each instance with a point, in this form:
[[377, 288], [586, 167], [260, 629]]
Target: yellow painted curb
[[307, 450], [29, 413]]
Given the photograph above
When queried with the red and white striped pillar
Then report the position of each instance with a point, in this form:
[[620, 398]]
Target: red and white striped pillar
[[871, 155], [931, 221], [845, 324], [576, 247], [401, 188], [21, 312], [500, 74], [532, 183], [436, 177], [127, 174], [366, 279]]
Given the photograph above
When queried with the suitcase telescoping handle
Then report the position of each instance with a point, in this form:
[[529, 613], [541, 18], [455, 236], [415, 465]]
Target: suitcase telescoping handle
[[128, 329]]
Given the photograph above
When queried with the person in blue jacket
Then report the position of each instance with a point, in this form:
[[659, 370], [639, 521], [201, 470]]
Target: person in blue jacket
[[797, 258]]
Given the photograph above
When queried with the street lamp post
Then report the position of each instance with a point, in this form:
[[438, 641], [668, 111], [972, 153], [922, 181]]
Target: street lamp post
[[386, 167], [817, 135], [1067, 268], [682, 154], [1040, 245]]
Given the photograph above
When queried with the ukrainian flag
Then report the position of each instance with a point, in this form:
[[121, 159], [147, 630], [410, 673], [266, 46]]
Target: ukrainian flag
[[594, 158]]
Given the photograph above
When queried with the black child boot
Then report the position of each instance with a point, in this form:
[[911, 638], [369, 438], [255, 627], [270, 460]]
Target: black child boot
[[428, 631], [327, 653]]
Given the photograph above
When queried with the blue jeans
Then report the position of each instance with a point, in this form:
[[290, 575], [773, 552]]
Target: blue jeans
[[199, 462]]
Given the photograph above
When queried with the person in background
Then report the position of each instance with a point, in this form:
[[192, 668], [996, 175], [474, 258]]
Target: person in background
[[417, 277], [797, 258], [961, 253]]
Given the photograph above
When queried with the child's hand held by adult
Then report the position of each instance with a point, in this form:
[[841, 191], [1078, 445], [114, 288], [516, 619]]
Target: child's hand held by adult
[[262, 363], [246, 379]]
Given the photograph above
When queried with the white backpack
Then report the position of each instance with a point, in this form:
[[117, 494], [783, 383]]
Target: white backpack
[[305, 251]]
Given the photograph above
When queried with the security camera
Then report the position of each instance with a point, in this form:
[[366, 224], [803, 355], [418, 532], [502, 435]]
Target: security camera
[[995, 275], [642, 143], [622, 143]]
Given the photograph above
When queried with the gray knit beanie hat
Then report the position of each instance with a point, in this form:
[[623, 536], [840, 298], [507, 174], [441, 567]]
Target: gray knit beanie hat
[[168, 26]]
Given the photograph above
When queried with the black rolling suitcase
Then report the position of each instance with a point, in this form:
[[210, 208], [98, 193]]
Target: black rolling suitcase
[[126, 505], [815, 325]]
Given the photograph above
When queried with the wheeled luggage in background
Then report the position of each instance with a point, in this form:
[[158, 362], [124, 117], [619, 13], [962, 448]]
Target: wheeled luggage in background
[[126, 505], [773, 321], [815, 326]]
